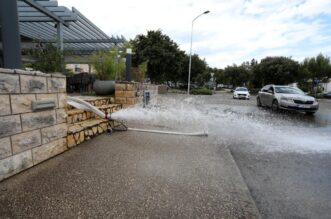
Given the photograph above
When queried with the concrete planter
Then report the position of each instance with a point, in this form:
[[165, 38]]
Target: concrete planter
[[104, 87]]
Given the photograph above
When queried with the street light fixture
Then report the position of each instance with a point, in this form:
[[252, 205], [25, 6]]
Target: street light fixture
[[190, 62]]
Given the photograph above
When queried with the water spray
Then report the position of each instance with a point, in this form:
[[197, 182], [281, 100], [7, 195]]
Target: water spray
[[83, 105]]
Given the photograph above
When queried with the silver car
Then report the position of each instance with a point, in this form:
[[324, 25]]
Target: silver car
[[287, 98]]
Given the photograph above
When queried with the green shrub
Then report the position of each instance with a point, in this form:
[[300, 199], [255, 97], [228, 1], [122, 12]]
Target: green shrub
[[201, 91]]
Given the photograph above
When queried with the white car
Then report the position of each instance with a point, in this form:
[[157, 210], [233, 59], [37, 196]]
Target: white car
[[241, 93]]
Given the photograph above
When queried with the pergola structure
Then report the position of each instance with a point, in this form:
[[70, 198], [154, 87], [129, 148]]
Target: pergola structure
[[26, 24]]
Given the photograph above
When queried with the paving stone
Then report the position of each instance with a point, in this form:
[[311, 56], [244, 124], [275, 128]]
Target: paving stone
[[25, 141], [4, 105], [33, 84], [49, 150], [10, 125], [71, 140], [62, 99], [5, 149], [120, 100], [119, 93], [7, 70], [131, 87], [36, 120], [54, 132], [56, 85], [15, 164], [75, 128], [119, 86], [81, 137], [131, 100], [22, 103], [9, 83], [61, 115], [130, 94]]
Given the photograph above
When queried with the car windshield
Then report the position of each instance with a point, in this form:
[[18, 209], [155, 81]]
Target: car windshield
[[289, 90], [241, 89]]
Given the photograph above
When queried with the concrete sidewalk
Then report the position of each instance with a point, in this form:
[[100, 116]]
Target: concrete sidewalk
[[131, 174]]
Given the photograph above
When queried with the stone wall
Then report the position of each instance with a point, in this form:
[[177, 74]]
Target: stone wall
[[126, 93], [130, 93], [26, 137]]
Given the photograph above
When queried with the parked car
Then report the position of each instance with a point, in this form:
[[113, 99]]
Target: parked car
[[287, 98], [241, 93], [327, 95]]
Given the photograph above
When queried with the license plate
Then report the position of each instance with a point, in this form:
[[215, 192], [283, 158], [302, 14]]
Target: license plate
[[304, 107]]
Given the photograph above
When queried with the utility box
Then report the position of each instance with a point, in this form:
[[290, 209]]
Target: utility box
[[146, 97]]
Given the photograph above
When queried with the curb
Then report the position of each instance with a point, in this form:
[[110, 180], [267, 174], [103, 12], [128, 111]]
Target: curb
[[251, 210]]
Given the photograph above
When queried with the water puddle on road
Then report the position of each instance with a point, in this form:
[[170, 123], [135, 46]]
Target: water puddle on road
[[243, 126]]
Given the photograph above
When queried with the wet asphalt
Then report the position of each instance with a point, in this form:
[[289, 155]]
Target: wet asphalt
[[254, 162], [288, 177], [132, 175]]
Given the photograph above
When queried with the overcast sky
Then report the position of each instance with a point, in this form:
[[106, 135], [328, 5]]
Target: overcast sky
[[234, 31]]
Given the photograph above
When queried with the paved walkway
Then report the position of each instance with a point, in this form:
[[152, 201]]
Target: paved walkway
[[131, 174]]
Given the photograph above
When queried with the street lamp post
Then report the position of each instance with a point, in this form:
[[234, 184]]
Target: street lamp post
[[190, 62]]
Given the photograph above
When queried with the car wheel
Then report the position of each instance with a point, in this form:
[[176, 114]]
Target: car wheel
[[274, 106], [258, 102]]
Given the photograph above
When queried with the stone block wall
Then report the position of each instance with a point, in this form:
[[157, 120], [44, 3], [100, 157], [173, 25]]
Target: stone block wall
[[131, 93], [26, 137], [126, 93]]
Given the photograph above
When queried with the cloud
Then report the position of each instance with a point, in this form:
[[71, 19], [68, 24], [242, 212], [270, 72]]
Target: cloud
[[234, 31]]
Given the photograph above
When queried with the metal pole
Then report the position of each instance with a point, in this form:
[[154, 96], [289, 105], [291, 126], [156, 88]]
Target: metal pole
[[59, 27], [128, 64], [11, 40], [190, 62]]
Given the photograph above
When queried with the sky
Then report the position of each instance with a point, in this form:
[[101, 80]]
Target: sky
[[233, 32]]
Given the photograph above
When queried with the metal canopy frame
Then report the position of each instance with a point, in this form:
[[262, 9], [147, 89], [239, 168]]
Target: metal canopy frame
[[43, 21]]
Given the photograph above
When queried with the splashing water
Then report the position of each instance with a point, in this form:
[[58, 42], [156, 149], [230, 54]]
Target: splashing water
[[171, 115], [241, 126]]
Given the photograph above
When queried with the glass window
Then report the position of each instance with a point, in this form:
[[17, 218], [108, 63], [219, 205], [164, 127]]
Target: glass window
[[265, 88], [288, 90]]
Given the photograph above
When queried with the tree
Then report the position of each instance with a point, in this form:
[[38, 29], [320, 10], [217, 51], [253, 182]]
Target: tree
[[48, 59], [276, 70], [237, 75], [108, 63], [139, 72], [198, 67], [317, 68], [220, 76], [161, 53], [202, 79]]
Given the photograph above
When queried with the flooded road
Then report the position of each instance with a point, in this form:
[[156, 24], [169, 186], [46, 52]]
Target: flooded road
[[285, 158]]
